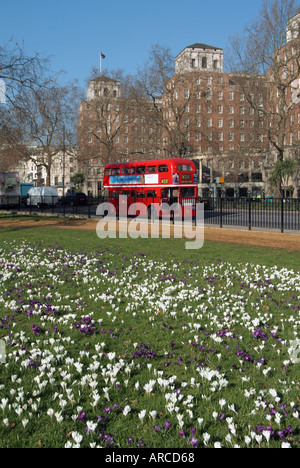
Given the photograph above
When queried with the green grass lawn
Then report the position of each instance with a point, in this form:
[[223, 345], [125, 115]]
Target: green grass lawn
[[79, 240], [141, 343]]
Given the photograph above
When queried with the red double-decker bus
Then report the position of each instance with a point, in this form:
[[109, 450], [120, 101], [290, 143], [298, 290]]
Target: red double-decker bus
[[151, 183]]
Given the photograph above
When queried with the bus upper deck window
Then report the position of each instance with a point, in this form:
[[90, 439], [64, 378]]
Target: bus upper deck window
[[151, 170], [115, 171], [184, 167], [140, 170], [125, 171], [107, 172], [132, 170], [163, 168]]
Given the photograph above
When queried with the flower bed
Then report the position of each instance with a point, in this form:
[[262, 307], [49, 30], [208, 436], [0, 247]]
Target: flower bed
[[108, 350]]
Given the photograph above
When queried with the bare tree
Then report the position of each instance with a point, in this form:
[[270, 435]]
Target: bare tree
[[20, 74], [44, 125], [271, 51], [19, 70]]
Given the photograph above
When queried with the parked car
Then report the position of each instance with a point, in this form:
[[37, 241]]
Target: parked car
[[42, 196], [74, 198]]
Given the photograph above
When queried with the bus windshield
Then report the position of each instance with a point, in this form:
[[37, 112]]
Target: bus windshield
[[187, 192]]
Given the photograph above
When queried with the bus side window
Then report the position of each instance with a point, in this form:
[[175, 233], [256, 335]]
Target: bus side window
[[125, 171], [140, 194], [187, 192], [115, 171], [140, 170], [162, 168], [151, 193], [164, 193], [107, 172], [132, 170], [151, 170]]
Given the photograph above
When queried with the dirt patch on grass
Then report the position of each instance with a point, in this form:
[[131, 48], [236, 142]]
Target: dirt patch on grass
[[275, 240]]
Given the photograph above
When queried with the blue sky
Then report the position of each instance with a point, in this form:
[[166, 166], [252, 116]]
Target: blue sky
[[74, 32]]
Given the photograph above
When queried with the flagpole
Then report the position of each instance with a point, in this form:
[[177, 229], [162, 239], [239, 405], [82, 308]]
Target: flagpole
[[100, 63]]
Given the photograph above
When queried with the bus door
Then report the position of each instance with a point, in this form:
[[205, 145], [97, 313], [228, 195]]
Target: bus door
[[170, 196], [188, 201], [173, 195], [124, 202]]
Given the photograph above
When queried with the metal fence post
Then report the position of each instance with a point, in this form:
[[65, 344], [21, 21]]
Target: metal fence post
[[221, 212], [250, 208], [282, 215]]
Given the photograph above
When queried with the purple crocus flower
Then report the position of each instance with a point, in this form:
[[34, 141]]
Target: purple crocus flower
[[82, 416]]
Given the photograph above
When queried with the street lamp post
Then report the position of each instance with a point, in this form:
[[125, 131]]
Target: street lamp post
[[64, 158]]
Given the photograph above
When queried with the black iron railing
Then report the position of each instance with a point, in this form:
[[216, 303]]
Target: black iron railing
[[270, 213]]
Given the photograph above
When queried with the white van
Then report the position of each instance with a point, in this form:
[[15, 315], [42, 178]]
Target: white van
[[42, 196]]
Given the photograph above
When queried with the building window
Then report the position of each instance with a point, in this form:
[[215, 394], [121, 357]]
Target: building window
[[204, 62]]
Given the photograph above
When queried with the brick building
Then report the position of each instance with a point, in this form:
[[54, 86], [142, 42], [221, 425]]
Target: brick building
[[113, 128], [229, 124]]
